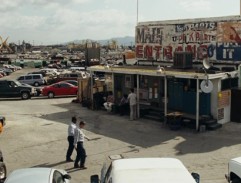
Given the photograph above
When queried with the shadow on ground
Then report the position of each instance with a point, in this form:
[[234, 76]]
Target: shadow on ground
[[145, 133]]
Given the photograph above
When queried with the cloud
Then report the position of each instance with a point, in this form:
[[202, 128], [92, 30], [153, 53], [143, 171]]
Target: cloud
[[59, 21], [7, 5], [193, 6]]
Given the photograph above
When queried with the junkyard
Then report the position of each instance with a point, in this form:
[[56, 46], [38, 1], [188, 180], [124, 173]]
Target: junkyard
[[35, 135]]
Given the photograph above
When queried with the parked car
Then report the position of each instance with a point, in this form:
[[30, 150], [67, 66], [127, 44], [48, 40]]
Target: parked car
[[32, 79], [12, 88], [143, 170], [59, 89], [38, 90], [234, 171], [69, 76], [38, 72], [7, 71], [43, 175]]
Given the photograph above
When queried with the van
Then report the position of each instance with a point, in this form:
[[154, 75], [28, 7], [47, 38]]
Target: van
[[145, 170], [32, 79], [234, 170]]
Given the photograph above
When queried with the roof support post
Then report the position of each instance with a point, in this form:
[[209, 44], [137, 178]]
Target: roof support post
[[91, 90], [197, 106], [138, 95], [165, 95]]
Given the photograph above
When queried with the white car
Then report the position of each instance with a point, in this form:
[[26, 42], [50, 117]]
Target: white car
[[146, 170], [38, 175], [234, 170]]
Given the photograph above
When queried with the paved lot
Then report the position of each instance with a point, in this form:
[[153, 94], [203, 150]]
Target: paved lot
[[36, 132]]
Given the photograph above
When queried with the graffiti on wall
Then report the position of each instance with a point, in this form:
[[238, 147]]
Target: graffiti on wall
[[215, 40]]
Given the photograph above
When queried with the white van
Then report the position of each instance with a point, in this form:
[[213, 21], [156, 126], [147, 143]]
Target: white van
[[146, 170], [234, 171], [32, 79]]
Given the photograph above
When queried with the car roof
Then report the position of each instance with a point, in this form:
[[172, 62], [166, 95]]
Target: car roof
[[142, 170], [29, 175]]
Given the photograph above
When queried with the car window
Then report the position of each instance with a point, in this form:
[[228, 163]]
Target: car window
[[56, 85], [21, 78], [73, 75], [57, 177], [28, 77], [64, 85], [36, 77]]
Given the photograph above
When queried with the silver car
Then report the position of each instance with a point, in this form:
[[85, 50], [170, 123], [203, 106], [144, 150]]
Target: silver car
[[38, 175], [32, 79]]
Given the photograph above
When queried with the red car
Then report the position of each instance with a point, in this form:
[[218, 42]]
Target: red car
[[59, 89]]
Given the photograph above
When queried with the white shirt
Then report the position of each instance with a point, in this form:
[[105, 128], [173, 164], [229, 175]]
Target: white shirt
[[132, 98], [71, 129], [79, 136]]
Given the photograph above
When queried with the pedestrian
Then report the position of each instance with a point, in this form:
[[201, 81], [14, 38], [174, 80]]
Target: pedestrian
[[71, 130], [109, 101], [79, 146], [124, 104], [132, 102]]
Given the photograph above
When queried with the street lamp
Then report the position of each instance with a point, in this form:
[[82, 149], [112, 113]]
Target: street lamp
[[137, 10]]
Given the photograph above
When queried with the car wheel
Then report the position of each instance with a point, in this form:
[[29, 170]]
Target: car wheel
[[36, 84], [236, 180], [51, 95], [3, 172], [25, 95]]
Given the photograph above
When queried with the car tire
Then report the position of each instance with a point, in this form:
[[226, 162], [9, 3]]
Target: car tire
[[36, 84], [25, 95], [236, 180], [51, 95], [3, 172]]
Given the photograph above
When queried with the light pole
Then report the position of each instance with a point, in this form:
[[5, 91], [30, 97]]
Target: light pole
[[137, 10]]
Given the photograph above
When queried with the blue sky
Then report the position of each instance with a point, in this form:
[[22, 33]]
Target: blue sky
[[57, 21]]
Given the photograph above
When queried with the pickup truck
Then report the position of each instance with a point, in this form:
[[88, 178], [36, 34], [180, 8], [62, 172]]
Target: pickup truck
[[12, 88], [234, 170], [143, 170]]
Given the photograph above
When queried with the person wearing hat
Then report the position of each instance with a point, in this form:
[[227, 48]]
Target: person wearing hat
[[71, 130], [79, 137]]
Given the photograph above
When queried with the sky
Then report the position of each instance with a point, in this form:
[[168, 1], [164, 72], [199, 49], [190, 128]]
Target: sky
[[41, 22]]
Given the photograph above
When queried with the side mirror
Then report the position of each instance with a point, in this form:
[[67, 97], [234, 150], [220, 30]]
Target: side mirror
[[94, 179], [196, 176], [67, 176]]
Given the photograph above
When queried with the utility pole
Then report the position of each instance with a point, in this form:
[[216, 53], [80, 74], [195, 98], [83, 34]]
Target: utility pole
[[137, 10]]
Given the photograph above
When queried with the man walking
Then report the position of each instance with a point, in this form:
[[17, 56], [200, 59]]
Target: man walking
[[71, 130], [132, 101], [79, 145]]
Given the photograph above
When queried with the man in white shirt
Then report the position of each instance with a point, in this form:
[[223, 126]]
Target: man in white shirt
[[79, 145], [71, 129], [132, 101]]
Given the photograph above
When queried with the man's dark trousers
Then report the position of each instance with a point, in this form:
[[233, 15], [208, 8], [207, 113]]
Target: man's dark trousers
[[81, 155], [71, 147]]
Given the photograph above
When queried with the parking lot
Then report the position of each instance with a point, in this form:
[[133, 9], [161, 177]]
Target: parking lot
[[36, 136]]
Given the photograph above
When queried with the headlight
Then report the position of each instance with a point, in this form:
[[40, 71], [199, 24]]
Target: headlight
[[3, 172], [33, 90]]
